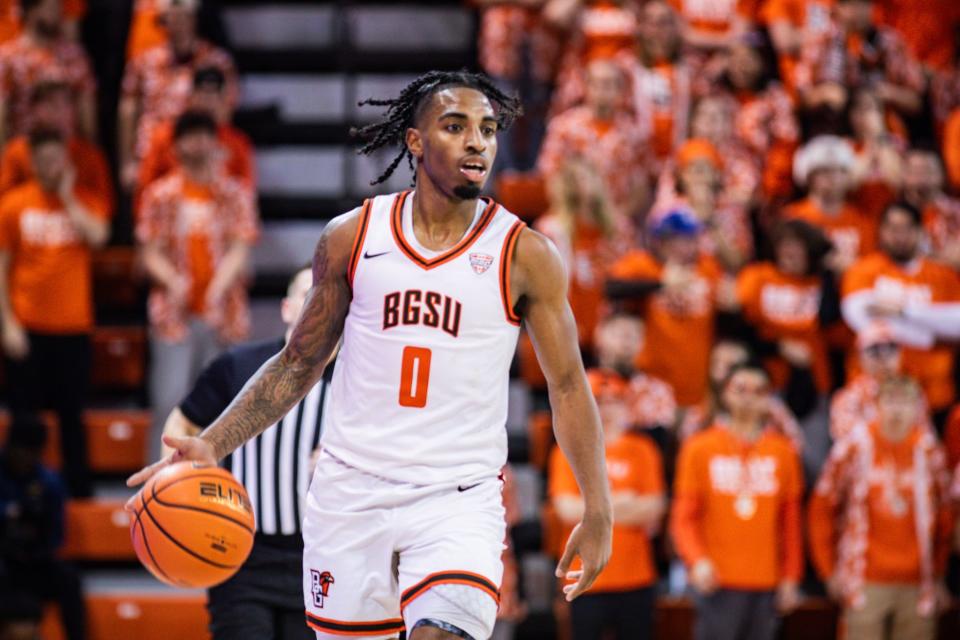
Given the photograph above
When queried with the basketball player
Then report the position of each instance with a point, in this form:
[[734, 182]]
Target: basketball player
[[262, 601], [404, 520]]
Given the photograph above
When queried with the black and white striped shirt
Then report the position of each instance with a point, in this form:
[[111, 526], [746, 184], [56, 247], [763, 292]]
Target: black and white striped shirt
[[274, 466]]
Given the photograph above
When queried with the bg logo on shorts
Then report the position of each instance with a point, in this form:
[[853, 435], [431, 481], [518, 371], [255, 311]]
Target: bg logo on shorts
[[320, 582]]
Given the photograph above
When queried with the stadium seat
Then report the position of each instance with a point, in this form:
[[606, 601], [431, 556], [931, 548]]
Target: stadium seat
[[119, 358], [522, 193], [116, 439], [117, 284], [140, 616], [98, 530]]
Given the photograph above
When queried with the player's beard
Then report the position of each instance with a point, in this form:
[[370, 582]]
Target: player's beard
[[467, 191]]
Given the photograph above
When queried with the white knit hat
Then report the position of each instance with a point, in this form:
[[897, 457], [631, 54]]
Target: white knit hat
[[821, 153]]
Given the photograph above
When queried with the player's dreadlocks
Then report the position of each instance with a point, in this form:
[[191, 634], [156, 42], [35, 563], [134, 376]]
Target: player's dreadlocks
[[402, 111]]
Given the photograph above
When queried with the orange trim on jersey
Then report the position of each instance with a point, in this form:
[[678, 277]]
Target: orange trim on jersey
[[343, 628], [506, 259], [396, 225], [450, 577], [358, 240]]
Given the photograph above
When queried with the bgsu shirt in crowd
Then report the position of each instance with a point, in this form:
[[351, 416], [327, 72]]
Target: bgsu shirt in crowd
[[50, 266], [633, 464]]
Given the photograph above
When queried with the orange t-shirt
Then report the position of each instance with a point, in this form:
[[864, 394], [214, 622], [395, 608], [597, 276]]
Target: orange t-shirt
[[236, 155], [146, 28], [678, 341], [852, 231], [738, 505], [89, 161], [50, 268], [785, 307], [928, 282], [927, 28], [812, 17], [199, 198], [634, 465], [951, 148]]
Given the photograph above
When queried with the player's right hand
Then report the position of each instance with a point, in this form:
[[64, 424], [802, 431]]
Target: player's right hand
[[184, 448], [592, 540]]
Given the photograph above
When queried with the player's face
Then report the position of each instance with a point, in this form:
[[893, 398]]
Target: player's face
[[292, 305], [747, 395], [899, 236], [49, 163], [455, 141]]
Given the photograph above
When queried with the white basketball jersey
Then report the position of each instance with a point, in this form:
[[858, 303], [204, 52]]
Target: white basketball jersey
[[419, 392]]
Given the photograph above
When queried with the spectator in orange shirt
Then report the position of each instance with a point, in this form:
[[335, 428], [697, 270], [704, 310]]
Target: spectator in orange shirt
[[929, 29], [919, 299], [52, 108], [619, 340], [236, 150], [923, 188], [880, 521], [764, 120], [880, 358], [710, 26], [824, 166], [582, 225], [196, 228], [694, 182], [660, 81], [878, 169], [606, 136], [676, 287], [42, 53], [790, 23], [736, 519], [781, 300], [157, 84], [48, 227], [73, 13], [856, 52], [622, 598]]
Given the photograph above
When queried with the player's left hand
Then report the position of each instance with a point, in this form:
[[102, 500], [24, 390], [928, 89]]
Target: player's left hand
[[591, 540]]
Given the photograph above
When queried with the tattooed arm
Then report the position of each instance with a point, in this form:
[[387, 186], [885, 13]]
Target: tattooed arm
[[287, 377]]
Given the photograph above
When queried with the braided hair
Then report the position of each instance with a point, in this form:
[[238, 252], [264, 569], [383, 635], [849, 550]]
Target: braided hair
[[403, 110]]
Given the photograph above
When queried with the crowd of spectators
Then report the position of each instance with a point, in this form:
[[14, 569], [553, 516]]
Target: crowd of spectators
[[754, 204]]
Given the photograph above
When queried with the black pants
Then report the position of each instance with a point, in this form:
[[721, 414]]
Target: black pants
[[264, 600], [47, 580], [56, 375], [628, 614], [732, 614]]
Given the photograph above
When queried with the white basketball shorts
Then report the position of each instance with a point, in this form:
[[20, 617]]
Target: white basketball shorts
[[373, 548]]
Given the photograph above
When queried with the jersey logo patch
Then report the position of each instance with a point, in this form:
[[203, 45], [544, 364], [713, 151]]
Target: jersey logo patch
[[320, 582], [480, 262]]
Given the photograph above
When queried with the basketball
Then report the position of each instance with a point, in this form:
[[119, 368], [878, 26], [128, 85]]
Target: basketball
[[193, 525]]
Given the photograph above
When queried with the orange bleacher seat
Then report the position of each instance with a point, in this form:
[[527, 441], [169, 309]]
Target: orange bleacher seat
[[117, 283], [98, 530], [137, 616], [522, 193], [117, 439], [119, 358]]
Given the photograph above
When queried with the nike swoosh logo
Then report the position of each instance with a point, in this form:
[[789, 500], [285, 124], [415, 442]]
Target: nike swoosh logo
[[367, 254], [461, 488]]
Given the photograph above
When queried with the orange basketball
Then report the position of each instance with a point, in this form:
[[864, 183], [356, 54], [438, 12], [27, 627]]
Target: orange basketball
[[193, 525]]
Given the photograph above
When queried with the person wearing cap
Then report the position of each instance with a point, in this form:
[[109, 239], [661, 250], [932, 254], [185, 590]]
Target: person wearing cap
[[673, 287], [824, 168], [880, 358], [695, 182], [42, 53], [32, 502], [736, 515], [623, 597], [236, 150], [855, 51], [52, 107], [918, 298], [157, 84], [601, 133], [880, 521]]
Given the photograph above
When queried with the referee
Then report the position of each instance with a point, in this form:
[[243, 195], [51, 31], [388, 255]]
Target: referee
[[264, 600]]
